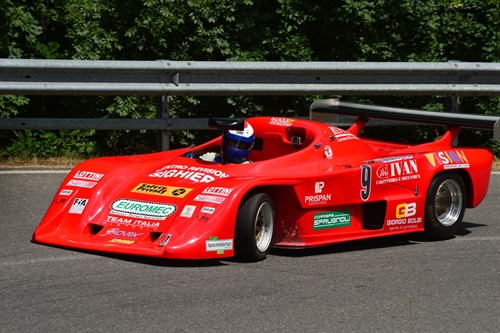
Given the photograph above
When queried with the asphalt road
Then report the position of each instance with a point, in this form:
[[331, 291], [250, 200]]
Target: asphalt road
[[394, 284]]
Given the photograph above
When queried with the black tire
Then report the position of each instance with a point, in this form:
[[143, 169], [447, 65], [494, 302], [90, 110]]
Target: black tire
[[254, 228], [445, 205]]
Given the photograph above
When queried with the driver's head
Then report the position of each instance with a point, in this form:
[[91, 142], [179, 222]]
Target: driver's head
[[239, 144]]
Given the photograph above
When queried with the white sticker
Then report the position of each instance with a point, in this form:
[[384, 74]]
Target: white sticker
[[188, 211], [78, 206]]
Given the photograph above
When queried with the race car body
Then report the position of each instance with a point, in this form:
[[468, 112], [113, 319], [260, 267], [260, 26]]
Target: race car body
[[308, 184]]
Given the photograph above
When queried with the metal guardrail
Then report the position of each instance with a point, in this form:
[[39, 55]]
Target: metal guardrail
[[181, 78], [163, 78]]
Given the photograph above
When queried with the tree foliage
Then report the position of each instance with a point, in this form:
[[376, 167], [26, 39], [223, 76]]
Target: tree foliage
[[236, 30]]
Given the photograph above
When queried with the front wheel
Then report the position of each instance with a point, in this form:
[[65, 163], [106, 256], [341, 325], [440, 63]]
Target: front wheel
[[254, 228], [445, 205]]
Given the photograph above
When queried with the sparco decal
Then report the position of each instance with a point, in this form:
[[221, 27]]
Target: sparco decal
[[279, 121], [136, 208], [162, 190], [131, 222], [122, 233], [397, 171], [81, 183], [87, 175], [209, 198], [194, 174], [225, 191], [327, 220]]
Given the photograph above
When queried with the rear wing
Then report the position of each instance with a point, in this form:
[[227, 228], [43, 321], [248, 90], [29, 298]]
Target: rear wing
[[327, 110]]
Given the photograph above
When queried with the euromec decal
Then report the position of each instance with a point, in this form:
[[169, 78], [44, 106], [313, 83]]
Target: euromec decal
[[136, 208], [327, 220]]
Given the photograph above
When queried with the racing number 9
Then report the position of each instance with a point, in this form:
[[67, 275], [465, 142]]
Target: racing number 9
[[366, 180]]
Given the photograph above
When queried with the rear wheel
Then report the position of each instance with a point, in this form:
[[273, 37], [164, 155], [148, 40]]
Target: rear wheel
[[445, 205], [254, 228]]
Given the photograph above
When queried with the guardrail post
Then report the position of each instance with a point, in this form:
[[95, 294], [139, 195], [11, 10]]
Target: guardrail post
[[162, 112]]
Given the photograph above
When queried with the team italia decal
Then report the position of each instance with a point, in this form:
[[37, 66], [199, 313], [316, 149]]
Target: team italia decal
[[451, 159], [162, 190], [142, 209]]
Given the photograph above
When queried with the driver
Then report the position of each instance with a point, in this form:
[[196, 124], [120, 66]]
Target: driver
[[239, 146]]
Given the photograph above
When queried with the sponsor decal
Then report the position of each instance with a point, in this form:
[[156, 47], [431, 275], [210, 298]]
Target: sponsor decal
[[393, 159], [406, 210], [225, 191], [78, 206], [144, 209], [327, 151], [404, 219], [87, 175], [452, 159], [318, 199], [81, 183], [328, 220], [280, 121], [65, 192], [207, 210], [209, 198], [430, 158], [122, 241], [188, 211], [192, 173], [122, 233], [168, 191], [397, 171], [131, 222], [341, 134], [213, 244], [60, 200]]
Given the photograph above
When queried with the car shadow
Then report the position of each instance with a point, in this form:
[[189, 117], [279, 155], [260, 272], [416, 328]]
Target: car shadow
[[351, 246], [372, 243]]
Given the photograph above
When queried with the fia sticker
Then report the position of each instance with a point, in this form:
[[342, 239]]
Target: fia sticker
[[78, 206]]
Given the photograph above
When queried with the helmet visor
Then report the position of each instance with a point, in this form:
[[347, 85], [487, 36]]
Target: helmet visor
[[238, 144]]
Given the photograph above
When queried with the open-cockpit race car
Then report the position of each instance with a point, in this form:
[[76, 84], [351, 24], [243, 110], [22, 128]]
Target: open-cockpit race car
[[309, 184]]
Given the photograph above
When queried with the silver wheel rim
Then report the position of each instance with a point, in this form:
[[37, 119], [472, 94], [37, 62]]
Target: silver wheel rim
[[264, 225], [448, 204]]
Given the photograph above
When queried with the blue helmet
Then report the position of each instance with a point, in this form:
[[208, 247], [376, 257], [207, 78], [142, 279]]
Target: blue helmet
[[239, 144]]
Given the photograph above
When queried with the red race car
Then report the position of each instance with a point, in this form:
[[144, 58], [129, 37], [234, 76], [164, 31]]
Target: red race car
[[308, 184]]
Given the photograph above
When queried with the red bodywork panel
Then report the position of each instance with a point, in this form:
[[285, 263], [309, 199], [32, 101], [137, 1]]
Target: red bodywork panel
[[333, 188]]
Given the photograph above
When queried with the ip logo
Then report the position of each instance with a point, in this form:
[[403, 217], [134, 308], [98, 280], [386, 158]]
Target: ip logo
[[318, 187], [406, 210]]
